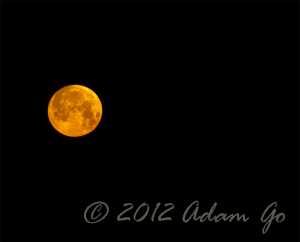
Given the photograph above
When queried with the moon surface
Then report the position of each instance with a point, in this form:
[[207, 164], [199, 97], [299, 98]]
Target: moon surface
[[74, 110]]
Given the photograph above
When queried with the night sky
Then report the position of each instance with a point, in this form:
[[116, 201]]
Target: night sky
[[200, 102]]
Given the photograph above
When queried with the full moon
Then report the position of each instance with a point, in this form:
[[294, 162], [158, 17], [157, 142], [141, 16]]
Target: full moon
[[74, 110]]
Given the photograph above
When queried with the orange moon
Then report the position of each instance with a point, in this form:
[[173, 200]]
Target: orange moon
[[74, 110]]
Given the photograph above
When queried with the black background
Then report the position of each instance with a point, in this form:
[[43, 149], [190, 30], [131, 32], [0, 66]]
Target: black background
[[199, 100]]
